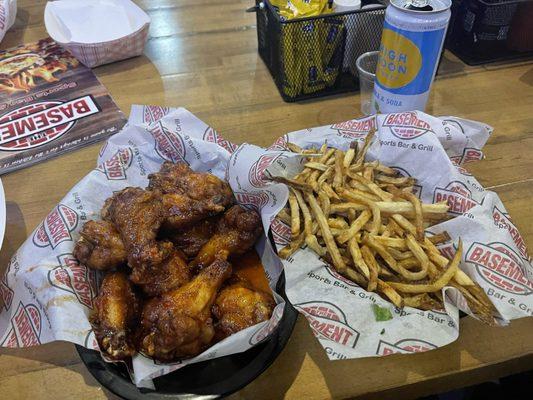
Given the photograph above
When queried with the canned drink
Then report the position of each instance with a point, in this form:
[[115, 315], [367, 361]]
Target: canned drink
[[411, 44]]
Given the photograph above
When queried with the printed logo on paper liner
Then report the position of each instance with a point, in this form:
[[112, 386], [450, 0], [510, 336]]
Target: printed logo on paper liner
[[264, 332], [168, 145], [503, 221], [154, 113], [404, 346], [339, 277], [328, 322], [256, 175], [252, 200], [280, 144], [6, 292], [457, 196], [469, 154], [90, 341], [57, 227], [25, 327], [210, 135], [280, 231], [115, 167], [74, 278], [39, 123], [499, 266], [355, 128], [406, 125]]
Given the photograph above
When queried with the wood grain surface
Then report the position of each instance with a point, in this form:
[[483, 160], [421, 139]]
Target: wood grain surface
[[202, 55]]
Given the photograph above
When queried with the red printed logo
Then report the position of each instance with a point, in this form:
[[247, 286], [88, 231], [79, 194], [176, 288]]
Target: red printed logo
[[280, 144], [499, 266], [168, 145], [457, 196], [25, 327], [90, 341], [39, 123], [266, 330], [115, 167], [56, 228], [75, 278], [356, 128], [154, 113], [406, 125], [328, 322], [211, 135], [503, 221], [281, 232], [404, 346], [5, 291], [252, 200], [469, 154], [256, 175]]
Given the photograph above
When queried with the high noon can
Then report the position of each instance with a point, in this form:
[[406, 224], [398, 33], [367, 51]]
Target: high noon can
[[411, 44]]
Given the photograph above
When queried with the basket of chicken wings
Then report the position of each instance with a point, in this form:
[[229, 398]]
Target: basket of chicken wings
[[151, 261]]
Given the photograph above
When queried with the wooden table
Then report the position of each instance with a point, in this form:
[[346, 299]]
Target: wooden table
[[202, 54]]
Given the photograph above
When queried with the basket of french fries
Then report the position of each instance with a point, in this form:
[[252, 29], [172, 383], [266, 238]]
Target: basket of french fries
[[384, 237]]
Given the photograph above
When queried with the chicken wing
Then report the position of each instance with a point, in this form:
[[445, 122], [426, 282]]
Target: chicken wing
[[239, 306], [115, 316], [157, 279], [178, 324], [237, 231], [100, 246], [137, 215], [189, 196], [190, 240]]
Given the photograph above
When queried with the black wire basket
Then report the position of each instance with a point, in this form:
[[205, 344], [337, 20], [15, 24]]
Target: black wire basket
[[315, 56], [483, 31]]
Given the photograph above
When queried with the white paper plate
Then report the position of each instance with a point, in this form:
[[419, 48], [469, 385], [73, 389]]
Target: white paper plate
[[2, 213]]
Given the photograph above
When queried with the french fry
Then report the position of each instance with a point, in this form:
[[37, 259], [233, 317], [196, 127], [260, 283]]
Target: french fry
[[337, 178], [295, 215], [376, 215], [333, 250], [372, 265], [355, 226]]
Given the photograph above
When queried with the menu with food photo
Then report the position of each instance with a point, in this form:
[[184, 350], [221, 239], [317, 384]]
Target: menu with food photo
[[49, 104]]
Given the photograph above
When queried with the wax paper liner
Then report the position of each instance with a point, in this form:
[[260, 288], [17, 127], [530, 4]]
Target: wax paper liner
[[8, 14], [48, 296], [340, 313]]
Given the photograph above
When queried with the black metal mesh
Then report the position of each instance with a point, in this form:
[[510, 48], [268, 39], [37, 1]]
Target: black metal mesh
[[313, 57], [482, 31]]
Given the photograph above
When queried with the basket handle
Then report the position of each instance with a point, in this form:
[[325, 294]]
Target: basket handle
[[256, 8]]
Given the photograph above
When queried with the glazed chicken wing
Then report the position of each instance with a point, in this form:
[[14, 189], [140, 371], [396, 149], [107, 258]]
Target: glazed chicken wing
[[178, 324], [157, 279], [237, 231], [189, 196], [239, 306], [190, 240], [115, 316], [137, 215], [100, 246]]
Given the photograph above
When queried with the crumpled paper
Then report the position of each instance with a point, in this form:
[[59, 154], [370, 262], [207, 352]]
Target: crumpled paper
[[432, 150], [8, 14], [48, 296]]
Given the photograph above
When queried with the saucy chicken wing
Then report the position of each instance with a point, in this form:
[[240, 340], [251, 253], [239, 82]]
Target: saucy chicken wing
[[189, 196], [137, 215], [115, 316], [237, 231], [178, 324], [157, 279], [191, 239], [239, 306], [100, 246]]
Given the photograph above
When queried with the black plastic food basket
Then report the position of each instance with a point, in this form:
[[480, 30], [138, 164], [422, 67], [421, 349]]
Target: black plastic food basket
[[483, 31], [315, 56]]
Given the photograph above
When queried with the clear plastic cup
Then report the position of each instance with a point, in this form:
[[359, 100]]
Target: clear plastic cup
[[366, 69]]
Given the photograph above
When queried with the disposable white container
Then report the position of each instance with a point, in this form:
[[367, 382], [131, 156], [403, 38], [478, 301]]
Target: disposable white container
[[98, 32]]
